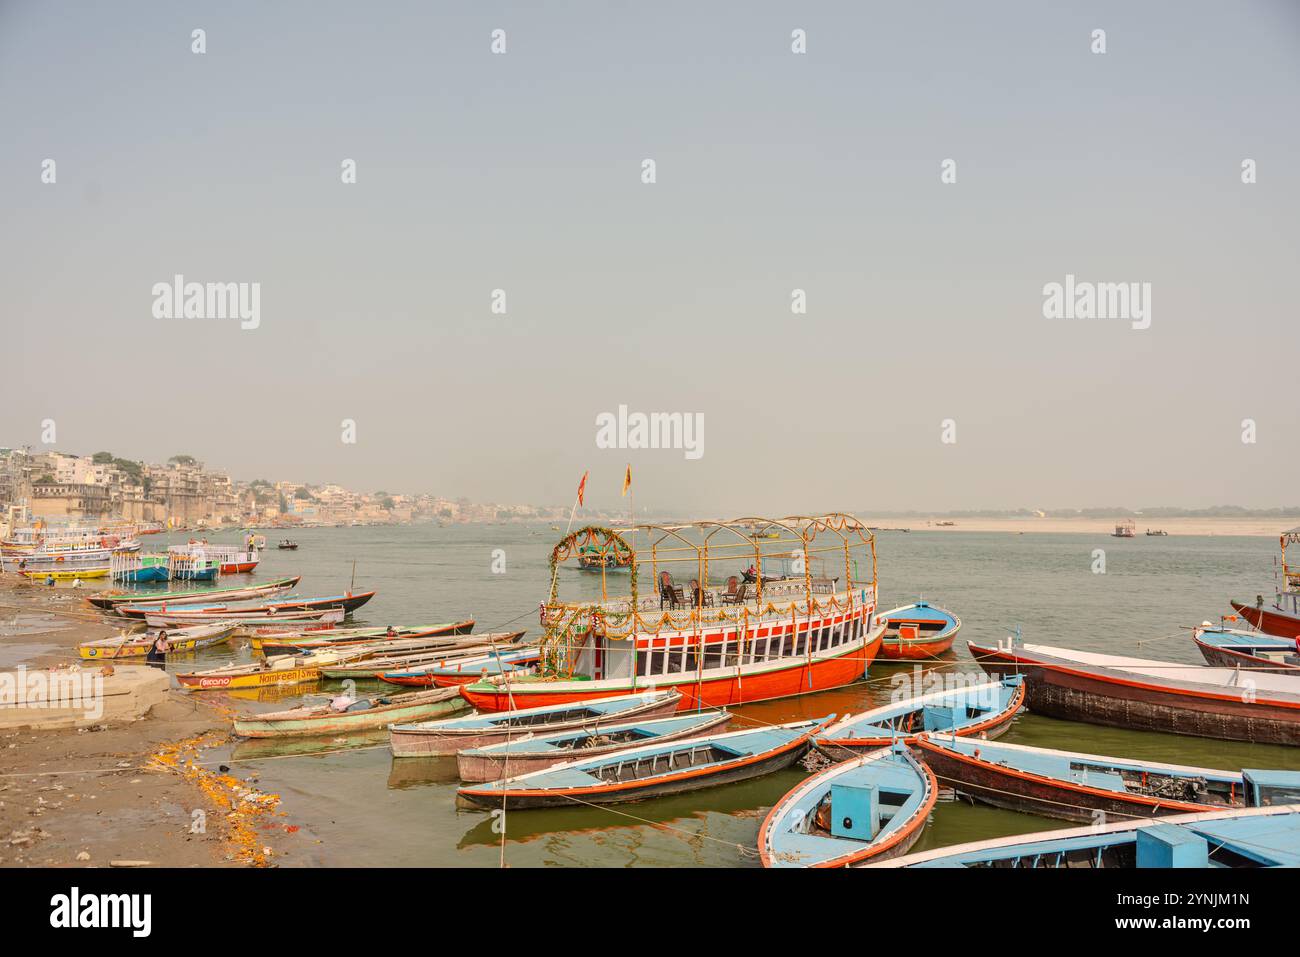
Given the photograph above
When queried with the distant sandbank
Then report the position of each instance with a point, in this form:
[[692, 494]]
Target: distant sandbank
[[1092, 526]]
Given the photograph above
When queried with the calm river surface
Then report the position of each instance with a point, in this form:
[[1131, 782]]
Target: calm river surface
[[359, 806]]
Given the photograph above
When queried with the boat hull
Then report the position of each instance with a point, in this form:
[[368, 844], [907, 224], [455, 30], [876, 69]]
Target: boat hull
[[1231, 658], [799, 677], [1077, 693], [1269, 620], [692, 780], [1017, 790], [994, 726], [416, 743], [478, 768], [259, 679], [932, 631], [348, 721]]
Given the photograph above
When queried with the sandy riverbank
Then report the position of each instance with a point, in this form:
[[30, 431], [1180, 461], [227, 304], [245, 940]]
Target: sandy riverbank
[[1091, 526], [120, 792]]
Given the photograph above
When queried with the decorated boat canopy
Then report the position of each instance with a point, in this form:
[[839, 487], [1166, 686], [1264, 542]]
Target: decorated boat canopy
[[1290, 575], [709, 574]]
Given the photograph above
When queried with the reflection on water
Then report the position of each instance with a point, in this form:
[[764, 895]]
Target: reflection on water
[[365, 808]]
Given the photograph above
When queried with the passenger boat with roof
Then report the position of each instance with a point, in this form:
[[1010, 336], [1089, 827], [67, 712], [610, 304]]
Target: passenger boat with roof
[[717, 639], [916, 631], [537, 752], [479, 730], [1076, 786], [1248, 837], [869, 808], [1282, 617], [1149, 695], [1232, 648], [978, 708], [654, 770]]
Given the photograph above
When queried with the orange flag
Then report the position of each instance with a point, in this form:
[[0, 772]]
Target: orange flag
[[627, 478], [582, 486]]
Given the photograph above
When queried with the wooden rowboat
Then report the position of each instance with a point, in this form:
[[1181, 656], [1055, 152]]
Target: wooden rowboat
[[112, 600], [479, 730], [331, 638], [1148, 695], [137, 646], [388, 659], [917, 631], [280, 670], [1247, 837], [347, 602], [1230, 648], [537, 752], [246, 622], [653, 771], [984, 709], [869, 808], [374, 712], [463, 671], [1076, 787]]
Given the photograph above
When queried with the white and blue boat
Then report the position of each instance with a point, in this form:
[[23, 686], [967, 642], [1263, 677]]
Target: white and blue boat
[[424, 738], [869, 808], [1081, 787], [1234, 648], [983, 708], [464, 670], [1248, 837], [537, 752], [653, 771]]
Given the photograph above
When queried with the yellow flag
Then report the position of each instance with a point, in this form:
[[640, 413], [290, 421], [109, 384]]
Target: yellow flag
[[627, 478]]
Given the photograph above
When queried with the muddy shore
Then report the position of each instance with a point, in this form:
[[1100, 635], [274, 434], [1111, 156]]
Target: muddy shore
[[126, 794]]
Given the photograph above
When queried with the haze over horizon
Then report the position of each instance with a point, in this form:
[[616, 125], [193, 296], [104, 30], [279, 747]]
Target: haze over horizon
[[775, 172]]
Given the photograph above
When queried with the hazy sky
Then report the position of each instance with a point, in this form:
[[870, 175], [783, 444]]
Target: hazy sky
[[775, 171]]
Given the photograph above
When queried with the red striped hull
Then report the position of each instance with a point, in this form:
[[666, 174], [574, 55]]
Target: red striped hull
[[798, 678], [234, 568], [1269, 621], [896, 649]]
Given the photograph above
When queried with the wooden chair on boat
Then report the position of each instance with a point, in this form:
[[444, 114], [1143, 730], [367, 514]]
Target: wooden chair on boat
[[700, 596], [731, 591], [669, 592]]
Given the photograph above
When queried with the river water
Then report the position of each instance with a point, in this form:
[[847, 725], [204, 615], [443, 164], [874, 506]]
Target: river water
[[359, 806]]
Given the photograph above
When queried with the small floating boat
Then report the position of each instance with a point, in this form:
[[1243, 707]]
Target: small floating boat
[[1230, 648], [110, 601], [262, 621], [870, 808], [916, 631], [980, 710], [288, 546], [281, 670], [332, 638], [537, 752], [479, 730], [462, 671], [347, 602], [1075, 786], [1249, 837], [1147, 695], [377, 711], [388, 659], [182, 640], [654, 770]]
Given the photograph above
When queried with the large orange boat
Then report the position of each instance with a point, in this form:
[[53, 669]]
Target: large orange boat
[[799, 618]]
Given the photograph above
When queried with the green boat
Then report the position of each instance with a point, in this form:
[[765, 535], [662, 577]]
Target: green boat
[[378, 711], [110, 600]]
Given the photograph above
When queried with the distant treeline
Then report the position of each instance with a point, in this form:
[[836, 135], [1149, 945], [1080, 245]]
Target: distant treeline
[[1216, 511]]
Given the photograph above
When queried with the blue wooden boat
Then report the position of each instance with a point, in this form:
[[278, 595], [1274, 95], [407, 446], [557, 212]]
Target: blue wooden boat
[[537, 752], [478, 730], [869, 808], [653, 771], [984, 708], [1076, 786], [1248, 837], [140, 569], [917, 631], [1233, 648], [195, 569], [462, 671]]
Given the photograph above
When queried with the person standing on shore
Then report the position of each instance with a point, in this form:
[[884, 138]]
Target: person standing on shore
[[158, 651]]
